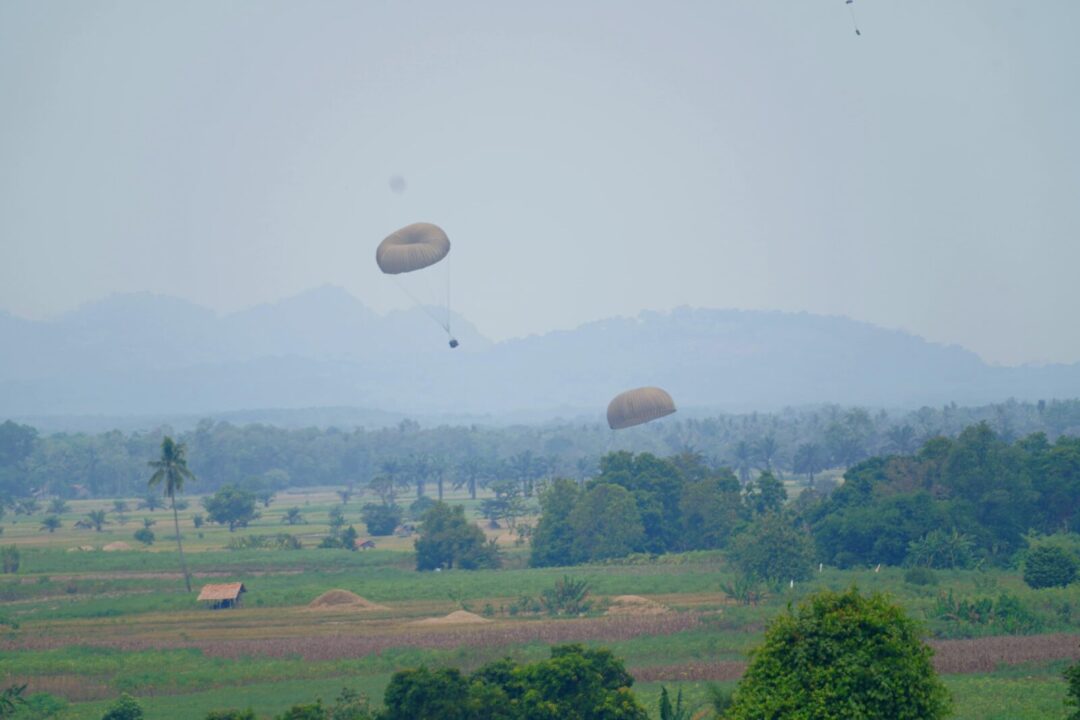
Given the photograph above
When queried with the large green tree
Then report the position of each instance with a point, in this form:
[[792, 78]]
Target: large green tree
[[231, 506], [575, 683], [553, 540], [606, 523], [841, 656], [380, 518], [170, 473], [447, 540], [773, 549], [710, 509]]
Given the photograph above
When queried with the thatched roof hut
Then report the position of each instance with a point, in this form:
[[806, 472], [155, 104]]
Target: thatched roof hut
[[225, 595]]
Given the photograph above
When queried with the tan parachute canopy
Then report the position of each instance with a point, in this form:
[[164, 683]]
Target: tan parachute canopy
[[413, 247], [635, 407]]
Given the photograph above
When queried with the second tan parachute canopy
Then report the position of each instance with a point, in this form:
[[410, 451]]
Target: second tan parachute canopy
[[635, 407], [413, 247]]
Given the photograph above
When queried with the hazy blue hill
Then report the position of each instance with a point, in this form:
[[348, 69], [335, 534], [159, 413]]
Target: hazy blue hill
[[154, 356]]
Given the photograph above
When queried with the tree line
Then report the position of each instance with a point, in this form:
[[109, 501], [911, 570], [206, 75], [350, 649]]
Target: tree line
[[411, 459], [954, 502]]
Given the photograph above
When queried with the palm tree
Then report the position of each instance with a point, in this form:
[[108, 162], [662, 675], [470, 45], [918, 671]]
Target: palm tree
[[439, 466], [50, 523], [171, 471], [766, 448], [97, 519], [293, 516], [743, 455], [470, 470]]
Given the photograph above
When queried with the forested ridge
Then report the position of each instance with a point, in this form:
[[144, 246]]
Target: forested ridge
[[803, 442]]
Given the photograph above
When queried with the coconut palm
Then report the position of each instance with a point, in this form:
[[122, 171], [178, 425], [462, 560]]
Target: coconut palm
[[170, 472], [51, 523], [97, 519]]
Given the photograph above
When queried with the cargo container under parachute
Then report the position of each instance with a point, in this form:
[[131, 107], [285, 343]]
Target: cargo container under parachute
[[416, 257]]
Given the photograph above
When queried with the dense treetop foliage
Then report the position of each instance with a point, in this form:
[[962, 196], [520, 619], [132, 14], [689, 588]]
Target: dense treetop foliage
[[841, 655], [972, 497], [955, 502], [575, 683], [638, 503], [448, 540]]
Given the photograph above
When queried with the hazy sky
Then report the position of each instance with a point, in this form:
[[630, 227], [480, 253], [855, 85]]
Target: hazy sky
[[587, 159]]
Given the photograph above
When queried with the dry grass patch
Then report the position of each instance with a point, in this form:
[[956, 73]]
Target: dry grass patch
[[458, 617], [343, 600], [635, 605]]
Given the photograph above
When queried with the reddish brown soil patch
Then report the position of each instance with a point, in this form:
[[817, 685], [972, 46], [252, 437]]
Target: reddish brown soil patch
[[987, 654], [334, 647], [951, 657]]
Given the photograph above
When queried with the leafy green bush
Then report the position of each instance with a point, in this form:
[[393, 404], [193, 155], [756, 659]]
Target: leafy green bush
[[279, 541], [744, 589], [920, 576], [1005, 615], [773, 549], [1072, 677], [525, 604], [568, 597], [231, 715], [340, 539], [11, 700], [125, 708], [841, 655], [313, 711], [381, 519], [420, 506], [448, 540], [1049, 566], [9, 559], [575, 682], [40, 706], [939, 549], [145, 536]]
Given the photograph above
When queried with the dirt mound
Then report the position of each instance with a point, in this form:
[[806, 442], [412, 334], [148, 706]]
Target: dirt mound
[[635, 605], [114, 546], [458, 617], [81, 548], [343, 600]]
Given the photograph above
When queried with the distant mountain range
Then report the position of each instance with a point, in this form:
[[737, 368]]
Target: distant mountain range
[[161, 357]]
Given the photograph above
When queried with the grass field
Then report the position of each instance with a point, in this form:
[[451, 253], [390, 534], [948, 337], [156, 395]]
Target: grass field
[[83, 626]]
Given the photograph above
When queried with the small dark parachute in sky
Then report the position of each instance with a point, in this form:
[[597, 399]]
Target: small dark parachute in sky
[[854, 22], [397, 184], [638, 406], [412, 252]]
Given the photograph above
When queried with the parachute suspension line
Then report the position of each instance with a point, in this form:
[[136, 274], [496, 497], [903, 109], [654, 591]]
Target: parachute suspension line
[[854, 21], [423, 306], [448, 298]]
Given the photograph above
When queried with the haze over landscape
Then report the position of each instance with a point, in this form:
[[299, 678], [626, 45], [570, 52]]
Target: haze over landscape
[[158, 356], [586, 164], [605, 360]]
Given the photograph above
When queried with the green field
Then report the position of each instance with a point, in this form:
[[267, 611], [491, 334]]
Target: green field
[[81, 626]]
